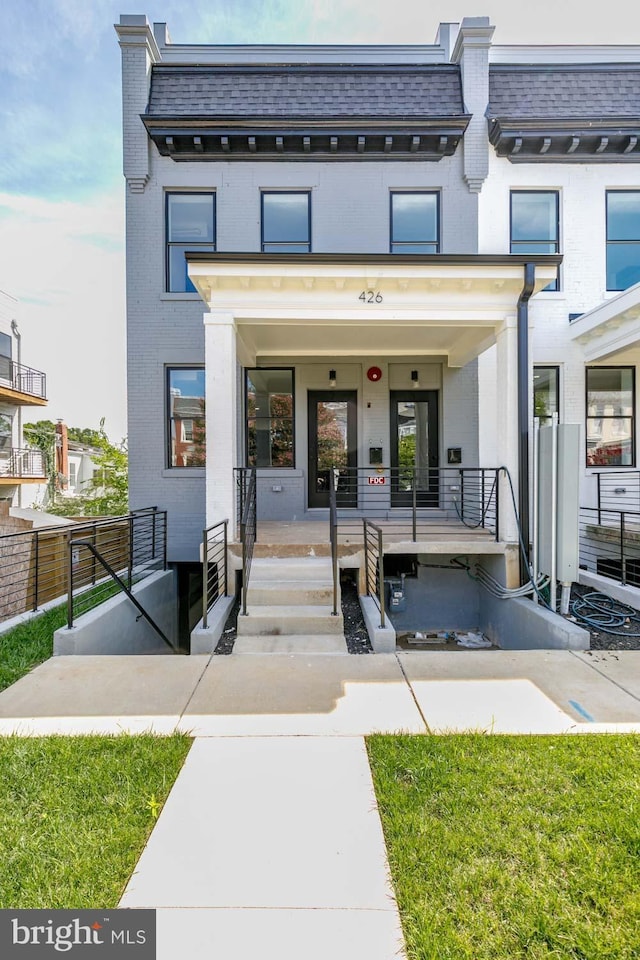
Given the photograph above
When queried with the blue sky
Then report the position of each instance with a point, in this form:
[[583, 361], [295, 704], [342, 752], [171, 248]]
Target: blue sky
[[61, 190]]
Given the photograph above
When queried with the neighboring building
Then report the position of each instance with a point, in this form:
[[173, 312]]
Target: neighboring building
[[20, 386], [370, 227]]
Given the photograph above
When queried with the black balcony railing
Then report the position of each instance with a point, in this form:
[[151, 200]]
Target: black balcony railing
[[23, 379], [22, 464], [610, 543]]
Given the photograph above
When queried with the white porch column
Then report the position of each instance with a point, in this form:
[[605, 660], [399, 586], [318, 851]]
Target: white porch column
[[221, 416], [507, 425]]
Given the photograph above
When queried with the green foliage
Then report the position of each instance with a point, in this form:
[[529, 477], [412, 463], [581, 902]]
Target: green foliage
[[28, 644], [513, 847], [42, 436]]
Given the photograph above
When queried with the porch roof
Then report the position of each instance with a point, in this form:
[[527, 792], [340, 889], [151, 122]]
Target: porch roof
[[611, 328], [353, 304]]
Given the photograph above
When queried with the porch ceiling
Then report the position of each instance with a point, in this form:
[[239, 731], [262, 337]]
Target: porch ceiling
[[612, 329], [323, 305]]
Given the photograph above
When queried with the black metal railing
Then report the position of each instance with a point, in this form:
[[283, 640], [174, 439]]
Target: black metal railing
[[333, 539], [242, 477], [34, 563], [618, 491], [22, 463], [417, 502], [373, 565], [23, 379], [214, 566], [248, 534], [610, 543]]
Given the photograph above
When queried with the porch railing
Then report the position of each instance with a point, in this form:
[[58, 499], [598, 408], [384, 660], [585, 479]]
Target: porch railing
[[23, 379], [333, 539], [610, 543], [248, 533], [22, 463], [373, 565], [415, 499], [214, 566]]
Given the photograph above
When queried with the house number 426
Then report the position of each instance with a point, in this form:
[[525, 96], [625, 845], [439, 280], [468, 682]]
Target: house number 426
[[370, 296]]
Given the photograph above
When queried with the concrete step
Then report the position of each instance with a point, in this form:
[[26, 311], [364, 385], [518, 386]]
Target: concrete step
[[289, 592], [279, 569], [278, 620], [292, 643]]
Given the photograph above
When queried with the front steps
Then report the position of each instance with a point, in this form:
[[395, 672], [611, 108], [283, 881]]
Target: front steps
[[289, 604]]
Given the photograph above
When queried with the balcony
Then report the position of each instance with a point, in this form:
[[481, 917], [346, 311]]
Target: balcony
[[21, 466], [22, 385]]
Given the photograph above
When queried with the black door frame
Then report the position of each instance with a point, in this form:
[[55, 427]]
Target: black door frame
[[347, 489], [429, 496]]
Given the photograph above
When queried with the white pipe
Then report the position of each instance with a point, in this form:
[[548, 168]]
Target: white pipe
[[554, 511], [534, 510], [564, 598]]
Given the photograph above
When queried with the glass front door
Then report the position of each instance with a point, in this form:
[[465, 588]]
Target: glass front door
[[414, 448], [333, 446]]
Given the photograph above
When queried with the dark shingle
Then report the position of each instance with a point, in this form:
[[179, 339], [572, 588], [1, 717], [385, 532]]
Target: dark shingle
[[564, 92], [306, 92]]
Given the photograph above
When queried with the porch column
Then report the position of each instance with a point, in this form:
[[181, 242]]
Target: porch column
[[507, 425], [220, 350]]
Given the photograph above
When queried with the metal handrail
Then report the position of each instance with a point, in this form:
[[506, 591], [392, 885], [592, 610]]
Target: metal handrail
[[23, 462], [214, 566], [374, 565], [611, 547], [24, 379], [87, 545], [248, 535], [333, 539]]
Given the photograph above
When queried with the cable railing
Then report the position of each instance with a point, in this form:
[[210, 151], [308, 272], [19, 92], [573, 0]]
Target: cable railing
[[34, 563], [610, 543], [22, 463], [214, 566], [248, 533], [333, 539], [373, 566], [23, 379]]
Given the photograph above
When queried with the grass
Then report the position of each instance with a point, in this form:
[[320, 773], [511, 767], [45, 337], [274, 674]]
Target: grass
[[27, 645], [75, 813], [513, 847]]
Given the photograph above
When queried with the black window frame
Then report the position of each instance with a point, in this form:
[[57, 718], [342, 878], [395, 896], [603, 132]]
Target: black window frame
[[168, 244], [169, 418], [412, 243], [247, 372], [631, 416], [609, 243], [556, 368], [284, 243], [554, 286]]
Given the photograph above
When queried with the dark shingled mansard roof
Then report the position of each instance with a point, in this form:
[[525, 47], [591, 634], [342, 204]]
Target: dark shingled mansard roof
[[306, 91], [573, 92]]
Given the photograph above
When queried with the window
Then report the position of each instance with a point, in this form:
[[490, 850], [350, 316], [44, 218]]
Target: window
[[186, 424], [5, 357], [415, 223], [546, 393], [286, 222], [534, 223], [191, 225], [610, 416], [623, 238], [270, 418]]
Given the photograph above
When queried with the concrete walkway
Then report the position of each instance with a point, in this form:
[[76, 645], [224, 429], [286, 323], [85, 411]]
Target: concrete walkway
[[270, 843]]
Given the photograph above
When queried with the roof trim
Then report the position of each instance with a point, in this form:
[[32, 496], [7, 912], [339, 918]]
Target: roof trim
[[366, 259]]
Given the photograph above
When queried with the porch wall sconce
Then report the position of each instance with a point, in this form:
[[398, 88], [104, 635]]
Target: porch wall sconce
[[332, 378], [414, 378]]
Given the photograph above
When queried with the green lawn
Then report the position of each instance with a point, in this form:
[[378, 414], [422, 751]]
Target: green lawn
[[506, 847], [75, 813], [29, 644]]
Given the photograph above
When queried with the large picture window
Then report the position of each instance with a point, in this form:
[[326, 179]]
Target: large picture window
[[286, 222], [191, 225], [546, 393], [186, 423], [535, 224], [623, 238], [415, 222], [270, 418], [610, 416]]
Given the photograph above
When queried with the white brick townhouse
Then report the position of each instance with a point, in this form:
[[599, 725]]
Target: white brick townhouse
[[374, 264]]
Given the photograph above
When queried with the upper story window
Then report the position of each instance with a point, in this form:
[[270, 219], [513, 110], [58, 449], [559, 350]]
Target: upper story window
[[415, 222], [191, 225], [286, 222], [186, 430], [610, 416], [546, 393], [623, 238], [5, 356], [535, 223]]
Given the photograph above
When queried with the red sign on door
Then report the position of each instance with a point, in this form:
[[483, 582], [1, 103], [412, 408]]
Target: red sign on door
[[376, 481]]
